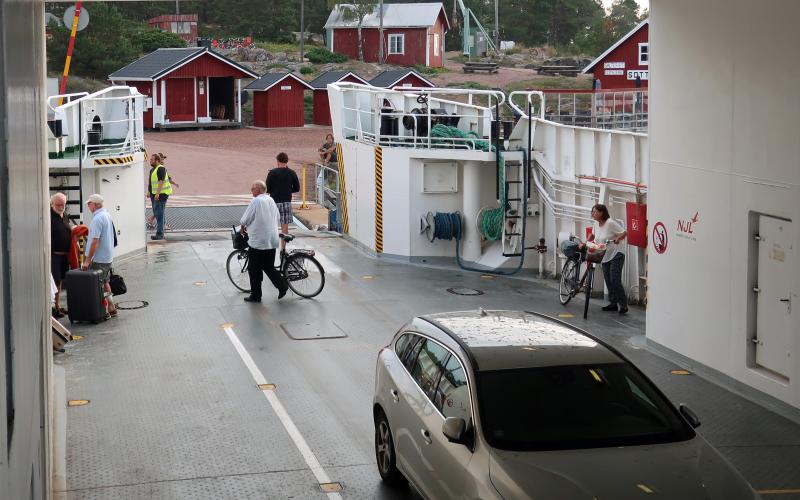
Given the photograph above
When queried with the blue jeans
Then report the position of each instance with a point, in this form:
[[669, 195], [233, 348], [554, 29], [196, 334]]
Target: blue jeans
[[612, 272], [158, 213]]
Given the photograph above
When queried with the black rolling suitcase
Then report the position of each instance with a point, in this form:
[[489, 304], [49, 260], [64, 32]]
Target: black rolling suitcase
[[85, 295]]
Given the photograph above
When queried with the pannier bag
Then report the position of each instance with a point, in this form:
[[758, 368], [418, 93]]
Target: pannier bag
[[239, 240], [570, 249]]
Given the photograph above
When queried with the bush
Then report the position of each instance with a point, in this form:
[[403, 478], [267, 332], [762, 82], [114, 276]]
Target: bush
[[149, 40], [319, 55], [306, 70], [428, 70]]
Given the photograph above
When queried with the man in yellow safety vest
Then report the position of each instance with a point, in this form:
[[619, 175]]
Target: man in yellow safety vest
[[159, 189]]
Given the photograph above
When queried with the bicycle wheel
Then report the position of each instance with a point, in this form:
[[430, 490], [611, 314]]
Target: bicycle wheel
[[589, 283], [569, 280], [237, 270], [304, 275]]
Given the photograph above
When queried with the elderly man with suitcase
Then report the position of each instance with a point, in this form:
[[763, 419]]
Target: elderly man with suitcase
[[99, 251]]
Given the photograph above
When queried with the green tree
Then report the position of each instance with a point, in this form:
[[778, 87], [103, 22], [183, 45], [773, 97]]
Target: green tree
[[624, 16], [100, 49], [357, 11], [147, 40]]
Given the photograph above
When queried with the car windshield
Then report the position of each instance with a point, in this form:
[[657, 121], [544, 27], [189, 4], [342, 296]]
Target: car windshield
[[574, 406]]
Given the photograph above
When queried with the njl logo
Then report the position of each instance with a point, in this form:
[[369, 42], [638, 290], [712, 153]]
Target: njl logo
[[687, 226]]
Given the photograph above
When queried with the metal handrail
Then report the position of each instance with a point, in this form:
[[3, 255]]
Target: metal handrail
[[62, 96], [528, 94]]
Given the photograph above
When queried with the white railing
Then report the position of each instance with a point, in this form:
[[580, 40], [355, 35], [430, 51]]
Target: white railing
[[625, 110], [414, 117], [106, 123], [128, 130]]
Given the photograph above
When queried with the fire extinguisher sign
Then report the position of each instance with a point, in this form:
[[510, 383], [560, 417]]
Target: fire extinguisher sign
[[660, 238]]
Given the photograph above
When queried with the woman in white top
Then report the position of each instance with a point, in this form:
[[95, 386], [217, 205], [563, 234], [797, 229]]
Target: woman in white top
[[609, 230]]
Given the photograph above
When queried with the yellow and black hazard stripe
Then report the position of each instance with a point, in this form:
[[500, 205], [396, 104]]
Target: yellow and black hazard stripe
[[379, 200], [342, 189], [114, 161]]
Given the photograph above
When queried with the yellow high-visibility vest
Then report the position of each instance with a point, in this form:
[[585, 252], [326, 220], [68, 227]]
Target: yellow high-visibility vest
[[166, 188]]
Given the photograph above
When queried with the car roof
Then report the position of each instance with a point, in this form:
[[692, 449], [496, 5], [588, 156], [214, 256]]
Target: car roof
[[500, 340]]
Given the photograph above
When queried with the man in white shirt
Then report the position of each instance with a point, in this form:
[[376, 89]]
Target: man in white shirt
[[260, 221]]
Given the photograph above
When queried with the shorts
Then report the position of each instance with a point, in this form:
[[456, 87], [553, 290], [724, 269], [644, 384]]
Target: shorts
[[285, 211], [59, 265], [102, 266]]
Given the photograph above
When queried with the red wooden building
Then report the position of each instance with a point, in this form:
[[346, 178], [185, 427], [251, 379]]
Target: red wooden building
[[184, 25], [625, 64], [400, 78], [413, 34], [322, 110], [278, 100], [191, 87]]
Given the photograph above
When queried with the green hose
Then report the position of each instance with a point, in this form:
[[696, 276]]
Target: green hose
[[491, 221]]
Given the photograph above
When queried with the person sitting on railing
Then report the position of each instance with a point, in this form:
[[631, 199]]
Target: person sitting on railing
[[327, 152]]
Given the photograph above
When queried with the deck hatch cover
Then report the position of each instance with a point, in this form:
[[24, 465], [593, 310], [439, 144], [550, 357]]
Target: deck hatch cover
[[313, 331]]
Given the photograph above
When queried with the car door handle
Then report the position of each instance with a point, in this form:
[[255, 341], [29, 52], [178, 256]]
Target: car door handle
[[395, 395], [426, 436]]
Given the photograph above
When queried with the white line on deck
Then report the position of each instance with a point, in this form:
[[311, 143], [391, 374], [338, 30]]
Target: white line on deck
[[280, 411]]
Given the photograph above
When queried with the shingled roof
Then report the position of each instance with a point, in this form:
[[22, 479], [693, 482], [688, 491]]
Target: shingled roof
[[322, 81], [268, 80], [389, 79], [163, 61]]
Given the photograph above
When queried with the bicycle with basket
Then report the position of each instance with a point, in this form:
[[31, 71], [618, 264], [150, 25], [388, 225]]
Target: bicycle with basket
[[572, 283], [299, 268]]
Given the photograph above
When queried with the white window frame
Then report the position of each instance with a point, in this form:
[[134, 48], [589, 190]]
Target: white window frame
[[646, 52], [436, 45], [402, 48]]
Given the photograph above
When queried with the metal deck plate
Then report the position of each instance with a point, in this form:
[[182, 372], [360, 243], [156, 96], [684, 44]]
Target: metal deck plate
[[311, 331]]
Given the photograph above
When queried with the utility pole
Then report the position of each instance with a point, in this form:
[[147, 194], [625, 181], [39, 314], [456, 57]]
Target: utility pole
[[177, 8], [302, 30], [380, 33], [496, 28]]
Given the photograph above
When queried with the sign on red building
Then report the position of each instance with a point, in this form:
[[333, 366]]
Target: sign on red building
[[626, 64]]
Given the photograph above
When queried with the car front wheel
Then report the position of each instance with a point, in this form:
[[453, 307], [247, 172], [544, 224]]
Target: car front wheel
[[384, 452]]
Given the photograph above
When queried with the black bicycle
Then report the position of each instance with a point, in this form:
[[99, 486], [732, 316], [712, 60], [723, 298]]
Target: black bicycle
[[570, 285], [302, 271]]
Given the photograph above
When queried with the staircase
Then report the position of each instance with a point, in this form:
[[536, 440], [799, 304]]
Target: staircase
[[516, 190]]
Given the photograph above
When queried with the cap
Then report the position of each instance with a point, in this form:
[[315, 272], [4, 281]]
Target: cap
[[95, 198]]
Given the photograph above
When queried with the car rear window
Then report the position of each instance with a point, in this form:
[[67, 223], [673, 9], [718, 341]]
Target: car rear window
[[575, 406]]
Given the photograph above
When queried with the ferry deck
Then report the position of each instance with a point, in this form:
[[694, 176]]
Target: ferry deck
[[175, 409]]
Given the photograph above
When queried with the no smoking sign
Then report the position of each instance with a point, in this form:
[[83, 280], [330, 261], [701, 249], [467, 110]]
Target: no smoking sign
[[660, 238]]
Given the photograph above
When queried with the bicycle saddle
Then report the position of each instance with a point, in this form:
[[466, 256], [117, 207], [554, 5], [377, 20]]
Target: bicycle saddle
[[286, 237]]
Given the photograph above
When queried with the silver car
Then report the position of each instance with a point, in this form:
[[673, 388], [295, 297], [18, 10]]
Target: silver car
[[515, 405]]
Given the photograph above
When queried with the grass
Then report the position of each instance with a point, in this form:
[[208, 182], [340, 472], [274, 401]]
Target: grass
[[273, 47], [429, 70], [551, 82], [468, 85]]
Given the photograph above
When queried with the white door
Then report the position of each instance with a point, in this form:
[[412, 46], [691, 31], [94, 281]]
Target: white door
[[776, 268]]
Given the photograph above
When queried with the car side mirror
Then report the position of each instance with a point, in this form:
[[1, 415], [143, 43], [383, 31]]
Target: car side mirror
[[689, 415], [453, 429]]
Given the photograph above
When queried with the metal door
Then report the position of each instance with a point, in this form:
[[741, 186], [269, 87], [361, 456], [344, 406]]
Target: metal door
[[776, 268]]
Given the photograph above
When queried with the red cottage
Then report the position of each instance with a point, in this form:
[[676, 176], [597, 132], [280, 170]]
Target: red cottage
[[322, 110], [625, 64], [184, 25], [278, 100], [413, 34], [400, 78], [192, 87]]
